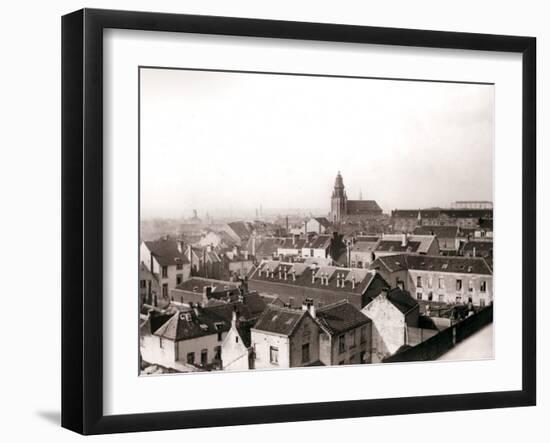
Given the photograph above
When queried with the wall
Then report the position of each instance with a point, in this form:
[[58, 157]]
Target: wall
[[306, 332], [196, 345], [388, 331], [262, 342], [352, 354], [449, 292], [37, 416], [234, 352]]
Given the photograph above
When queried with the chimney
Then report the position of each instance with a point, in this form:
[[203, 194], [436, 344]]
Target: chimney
[[235, 251], [180, 246], [246, 254], [404, 239], [401, 285], [286, 223], [343, 280], [293, 275], [305, 228], [337, 280], [474, 251], [312, 310], [384, 293], [254, 245], [210, 247], [234, 318], [353, 281], [206, 291], [312, 276]]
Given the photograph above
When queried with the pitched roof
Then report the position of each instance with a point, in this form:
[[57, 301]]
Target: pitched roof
[[323, 221], [300, 274], [439, 231], [399, 262], [439, 212], [340, 317], [292, 243], [185, 325], [402, 300], [197, 284], [415, 243], [279, 320], [320, 242], [242, 229], [482, 248], [166, 252], [355, 207]]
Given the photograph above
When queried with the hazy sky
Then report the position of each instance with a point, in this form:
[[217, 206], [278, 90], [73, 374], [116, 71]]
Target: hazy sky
[[216, 141]]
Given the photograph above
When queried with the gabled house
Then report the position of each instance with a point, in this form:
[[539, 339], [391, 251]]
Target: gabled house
[[237, 351], [392, 313], [345, 334], [285, 337], [166, 258]]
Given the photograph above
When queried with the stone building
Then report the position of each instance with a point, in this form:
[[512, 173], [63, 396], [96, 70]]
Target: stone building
[[345, 334], [294, 283], [342, 209], [285, 338], [392, 313], [449, 280]]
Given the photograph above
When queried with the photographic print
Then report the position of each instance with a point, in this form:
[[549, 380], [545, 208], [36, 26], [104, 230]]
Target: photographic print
[[296, 220]]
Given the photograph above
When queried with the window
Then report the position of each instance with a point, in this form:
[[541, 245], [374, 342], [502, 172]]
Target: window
[[219, 331], [179, 279], [483, 286], [470, 286], [274, 355], [342, 344], [458, 284], [204, 357], [458, 299], [236, 339], [165, 272], [305, 353], [311, 252], [160, 343], [419, 295], [352, 339], [430, 296], [179, 266], [363, 333], [441, 297], [191, 358], [218, 353], [482, 302], [143, 284], [430, 282], [165, 290], [441, 283], [419, 281]]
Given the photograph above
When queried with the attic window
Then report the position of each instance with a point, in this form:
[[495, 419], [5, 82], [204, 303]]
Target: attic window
[[195, 288], [469, 269], [444, 266], [203, 327]]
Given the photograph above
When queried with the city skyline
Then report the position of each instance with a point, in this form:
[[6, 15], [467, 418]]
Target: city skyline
[[436, 136]]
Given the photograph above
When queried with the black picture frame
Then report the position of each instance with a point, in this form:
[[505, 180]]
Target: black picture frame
[[82, 218]]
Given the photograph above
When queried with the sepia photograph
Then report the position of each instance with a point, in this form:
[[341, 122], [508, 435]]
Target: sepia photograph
[[295, 220]]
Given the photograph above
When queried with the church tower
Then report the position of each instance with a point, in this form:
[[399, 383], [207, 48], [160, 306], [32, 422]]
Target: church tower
[[338, 200]]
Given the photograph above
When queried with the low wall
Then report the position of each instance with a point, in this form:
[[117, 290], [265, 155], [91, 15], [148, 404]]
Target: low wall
[[442, 342]]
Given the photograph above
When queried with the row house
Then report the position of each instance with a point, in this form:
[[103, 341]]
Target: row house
[[407, 220], [450, 280], [294, 283]]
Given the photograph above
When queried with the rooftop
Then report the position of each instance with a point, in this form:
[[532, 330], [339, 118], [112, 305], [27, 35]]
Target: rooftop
[[340, 317], [333, 278], [166, 252], [470, 265], [279, 320]]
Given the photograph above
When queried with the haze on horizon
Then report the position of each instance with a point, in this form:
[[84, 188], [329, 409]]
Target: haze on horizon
[[226, 143]]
